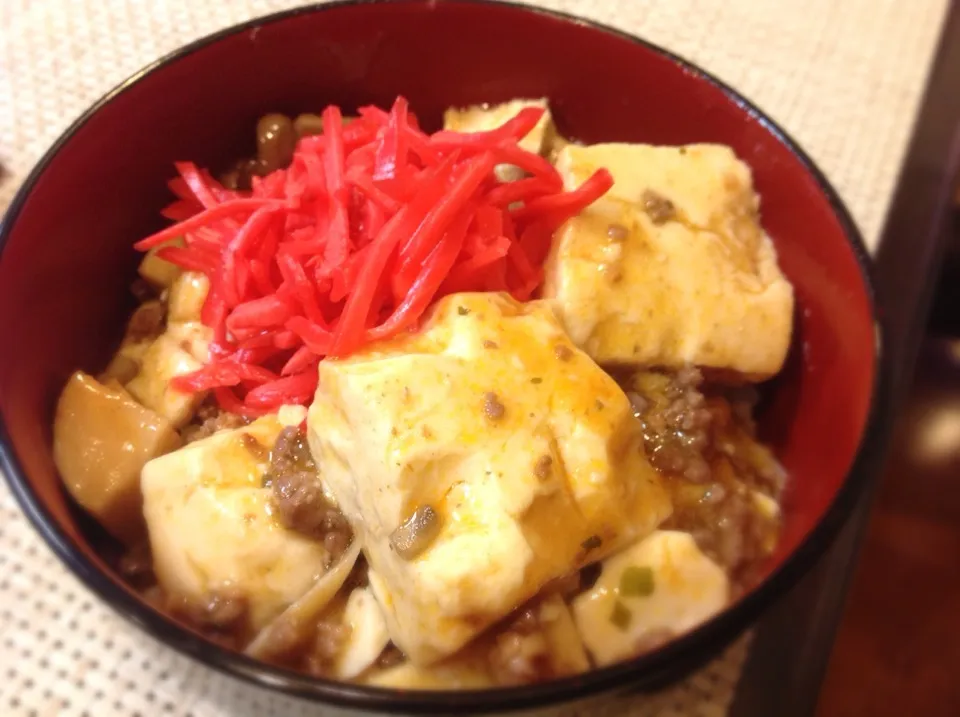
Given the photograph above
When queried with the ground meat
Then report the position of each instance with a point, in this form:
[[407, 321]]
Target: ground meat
[[142, 290], [589, 574], [291, 452], [136, 561], [302, 506], [526, 622], [687, 411], [147, 321], [210, 419], [284, 642], [676, 423], [728, 528], [312, 648], [543, 467], [675, 457], [743, 404], [591, 543], [299, 497], [638, 403], [658, 207], [520, 653], [337, 540], [358, 577], [565, 586], [617, 232], [136, 565], [220, 610], [208, 410], [493, 407], [224, 610], [390, 657], [328, 641], [701, 438]]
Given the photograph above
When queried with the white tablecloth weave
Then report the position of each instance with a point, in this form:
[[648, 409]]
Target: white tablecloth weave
[[844, 78]]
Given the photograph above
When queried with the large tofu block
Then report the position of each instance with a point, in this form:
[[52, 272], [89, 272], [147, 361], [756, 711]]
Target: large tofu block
[[524, 448], [213, 527], [671, 267]]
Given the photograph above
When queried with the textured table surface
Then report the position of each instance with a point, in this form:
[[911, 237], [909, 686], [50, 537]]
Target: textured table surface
[[844, 79]]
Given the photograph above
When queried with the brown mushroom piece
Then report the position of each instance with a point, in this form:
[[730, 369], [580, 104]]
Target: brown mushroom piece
[[493, 407], [308, 124], [660, 209], [276, 140], [416, 533], [102, 438]]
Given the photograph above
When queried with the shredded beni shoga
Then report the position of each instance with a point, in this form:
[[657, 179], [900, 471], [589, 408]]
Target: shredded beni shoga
[[372, 222]]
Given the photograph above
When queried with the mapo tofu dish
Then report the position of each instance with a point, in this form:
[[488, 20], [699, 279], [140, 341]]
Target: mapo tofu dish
[[444, 410]]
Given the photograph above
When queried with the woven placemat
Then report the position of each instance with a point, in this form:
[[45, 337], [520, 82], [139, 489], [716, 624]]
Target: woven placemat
[[844, 78]]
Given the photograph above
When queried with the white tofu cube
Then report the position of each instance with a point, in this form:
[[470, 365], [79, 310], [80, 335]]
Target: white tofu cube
[[524, 449], [671, 267], [367, 637], [677, 588], [162, 361], [212, 526]]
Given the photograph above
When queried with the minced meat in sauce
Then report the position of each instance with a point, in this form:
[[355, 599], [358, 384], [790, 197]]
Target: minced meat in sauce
[[658, 207], [520, 653], [299, 497], [493, 407], [329, 639], [147, 322], [136, 566], [702, 439], [221, 615], [312, 648], [210, 419], [301, 505], [518, 659]]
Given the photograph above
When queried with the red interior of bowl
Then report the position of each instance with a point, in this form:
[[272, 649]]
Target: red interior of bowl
[[67, 261]]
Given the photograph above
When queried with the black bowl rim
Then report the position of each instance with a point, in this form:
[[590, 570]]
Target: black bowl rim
[[712, 634]]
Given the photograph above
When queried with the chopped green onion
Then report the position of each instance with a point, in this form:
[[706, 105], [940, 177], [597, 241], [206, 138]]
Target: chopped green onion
[[620, 616], [636, 582]]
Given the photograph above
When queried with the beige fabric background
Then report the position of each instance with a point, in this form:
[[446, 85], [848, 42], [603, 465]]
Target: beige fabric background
[[844, 78]]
